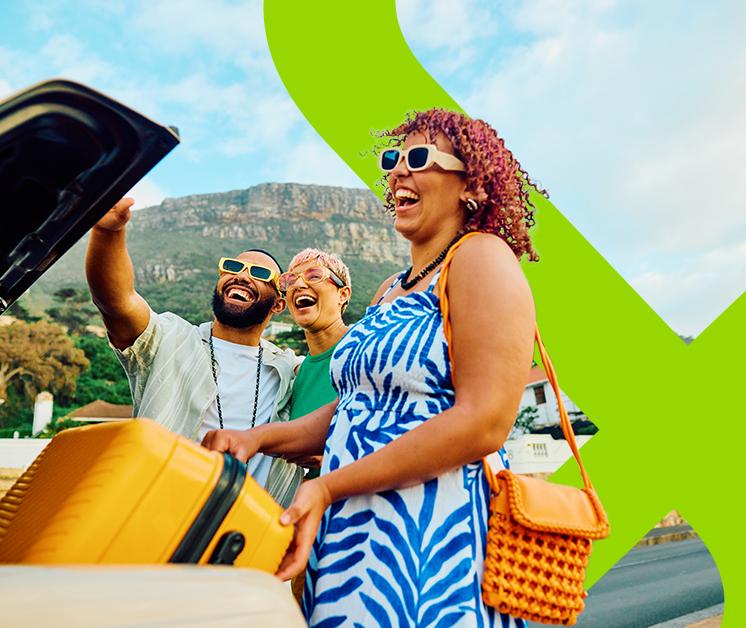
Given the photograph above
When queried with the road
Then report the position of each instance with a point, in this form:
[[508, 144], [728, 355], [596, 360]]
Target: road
[[653, 584]]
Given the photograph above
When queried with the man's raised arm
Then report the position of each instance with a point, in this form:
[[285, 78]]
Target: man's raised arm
[[111, 278]]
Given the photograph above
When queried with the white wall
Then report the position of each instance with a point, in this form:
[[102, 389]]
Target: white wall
[[19, 453], [530, 453], [537, 453], [277, 327]]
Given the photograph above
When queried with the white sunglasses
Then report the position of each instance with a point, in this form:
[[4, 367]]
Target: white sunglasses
[[419, 157]]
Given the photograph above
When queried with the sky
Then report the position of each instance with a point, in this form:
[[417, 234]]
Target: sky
[[629, 112]]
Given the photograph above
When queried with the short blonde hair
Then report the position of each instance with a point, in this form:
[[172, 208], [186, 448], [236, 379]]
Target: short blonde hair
[[330, 260]]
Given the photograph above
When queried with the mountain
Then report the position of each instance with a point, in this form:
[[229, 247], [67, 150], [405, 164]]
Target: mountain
[[175, 247]]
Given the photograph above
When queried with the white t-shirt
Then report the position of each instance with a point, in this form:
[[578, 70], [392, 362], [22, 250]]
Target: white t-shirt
[[237, 387]]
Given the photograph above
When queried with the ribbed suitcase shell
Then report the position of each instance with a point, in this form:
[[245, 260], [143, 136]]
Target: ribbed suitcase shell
[[128, 493]]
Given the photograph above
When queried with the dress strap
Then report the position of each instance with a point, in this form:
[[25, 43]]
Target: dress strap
[[391, 287], [433, 281]]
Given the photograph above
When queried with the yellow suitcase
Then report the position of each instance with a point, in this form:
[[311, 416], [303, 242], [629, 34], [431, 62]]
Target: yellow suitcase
[[134, 493]]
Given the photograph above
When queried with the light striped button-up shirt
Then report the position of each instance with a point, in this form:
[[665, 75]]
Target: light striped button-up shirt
[[170, 377]]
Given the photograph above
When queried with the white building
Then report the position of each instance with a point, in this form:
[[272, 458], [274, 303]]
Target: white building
[[538, 453], [277, 327], [539, 393]]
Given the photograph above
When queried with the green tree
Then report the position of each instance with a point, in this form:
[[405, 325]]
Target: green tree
[[16, 413], [75, 310], [55, 427], [20, 311], [41, 355], [105, 378], [295, 340], [34, 357], [526, 418]]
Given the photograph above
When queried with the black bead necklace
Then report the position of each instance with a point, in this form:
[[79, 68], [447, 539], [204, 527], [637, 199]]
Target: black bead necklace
[[407, 284], [215, 378]]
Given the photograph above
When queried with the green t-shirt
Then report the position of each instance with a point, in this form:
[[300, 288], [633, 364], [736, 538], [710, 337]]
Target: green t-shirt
[[313, 385], [312, 389]]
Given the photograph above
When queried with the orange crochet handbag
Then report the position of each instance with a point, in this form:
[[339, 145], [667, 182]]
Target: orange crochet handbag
[[540, 533]]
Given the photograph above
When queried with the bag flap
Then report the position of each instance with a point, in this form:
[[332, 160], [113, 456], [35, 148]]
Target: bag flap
[[546, 507]]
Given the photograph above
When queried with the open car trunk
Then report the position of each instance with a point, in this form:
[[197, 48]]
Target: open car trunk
[[67, 155]]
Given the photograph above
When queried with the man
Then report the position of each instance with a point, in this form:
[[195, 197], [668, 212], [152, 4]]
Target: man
[[195, 378]]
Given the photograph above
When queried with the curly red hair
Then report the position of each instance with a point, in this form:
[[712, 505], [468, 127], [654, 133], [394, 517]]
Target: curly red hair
[[493, 175]]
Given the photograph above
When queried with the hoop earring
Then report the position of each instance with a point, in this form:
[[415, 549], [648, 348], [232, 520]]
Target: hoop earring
[[471, 205]]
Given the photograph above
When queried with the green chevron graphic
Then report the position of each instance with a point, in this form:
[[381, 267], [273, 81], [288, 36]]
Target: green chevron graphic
[[670, 435]]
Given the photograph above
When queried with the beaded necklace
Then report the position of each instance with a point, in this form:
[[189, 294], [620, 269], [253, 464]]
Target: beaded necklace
[[215, 378], [407, 284]]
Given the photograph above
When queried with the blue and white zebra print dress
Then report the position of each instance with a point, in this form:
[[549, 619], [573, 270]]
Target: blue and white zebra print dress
[[410, 557]]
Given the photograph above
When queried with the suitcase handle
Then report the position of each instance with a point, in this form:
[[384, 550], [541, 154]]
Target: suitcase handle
[[229, 546], [216, 507]]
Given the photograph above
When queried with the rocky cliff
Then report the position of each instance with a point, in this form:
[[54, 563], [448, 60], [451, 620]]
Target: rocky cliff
[[350, 222], [176, 245]]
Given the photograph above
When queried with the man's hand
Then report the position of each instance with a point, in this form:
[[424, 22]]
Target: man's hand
[[242, 444], [312, 499], [117, 217]]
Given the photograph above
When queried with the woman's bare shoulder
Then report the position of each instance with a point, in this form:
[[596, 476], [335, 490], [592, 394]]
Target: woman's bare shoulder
[[485, 255], [485, 246]]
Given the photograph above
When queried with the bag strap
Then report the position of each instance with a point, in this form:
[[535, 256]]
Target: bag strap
[[546, 362]]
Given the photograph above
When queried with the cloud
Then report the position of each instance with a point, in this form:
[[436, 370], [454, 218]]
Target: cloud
[[39, 18], [231, 119], [716, 278], [551, 16], [146, 194], [70, 59], [206, 70], [270, 123], [608, 109], [631, 115], [687, 182], [229, 30], [310, 160], [229, 102], [17, 71], [437, 24], [61, 56], [450, 29]]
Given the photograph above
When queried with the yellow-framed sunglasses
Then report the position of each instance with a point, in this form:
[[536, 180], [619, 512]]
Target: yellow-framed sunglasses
[[256, 271]]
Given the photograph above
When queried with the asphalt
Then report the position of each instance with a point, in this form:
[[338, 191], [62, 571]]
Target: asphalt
[[711, 617], [654, 584]]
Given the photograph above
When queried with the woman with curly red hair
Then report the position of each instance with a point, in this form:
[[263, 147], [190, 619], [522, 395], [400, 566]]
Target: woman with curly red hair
[[399, 513]]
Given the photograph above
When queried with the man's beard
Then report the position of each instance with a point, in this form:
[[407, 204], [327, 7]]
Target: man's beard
[[245, 317]]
